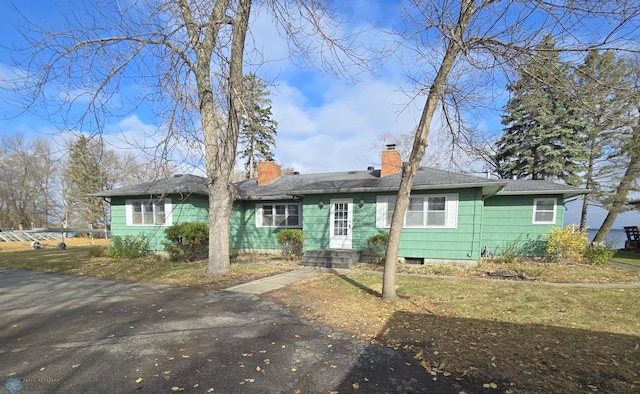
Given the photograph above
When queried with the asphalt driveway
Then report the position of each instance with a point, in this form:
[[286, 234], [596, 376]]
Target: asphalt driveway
[[76, 334]]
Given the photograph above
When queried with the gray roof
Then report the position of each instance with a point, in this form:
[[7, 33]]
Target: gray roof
[[177, 184], [286, 186], [528, 187], [360, 181]]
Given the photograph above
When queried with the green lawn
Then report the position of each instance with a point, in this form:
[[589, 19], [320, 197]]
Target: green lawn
[[627, 257]]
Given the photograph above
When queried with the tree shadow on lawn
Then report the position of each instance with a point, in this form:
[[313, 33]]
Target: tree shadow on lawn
[[516, 358]]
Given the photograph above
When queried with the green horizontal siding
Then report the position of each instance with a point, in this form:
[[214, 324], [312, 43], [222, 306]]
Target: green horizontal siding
[[494, 223], [460, 243], [192, 208], [243, 232], [508, 224]]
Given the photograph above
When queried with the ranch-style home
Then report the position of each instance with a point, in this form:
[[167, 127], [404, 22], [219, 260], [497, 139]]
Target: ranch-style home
[[452, 217]]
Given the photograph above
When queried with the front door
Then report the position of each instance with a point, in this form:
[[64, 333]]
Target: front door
[[340, 227]]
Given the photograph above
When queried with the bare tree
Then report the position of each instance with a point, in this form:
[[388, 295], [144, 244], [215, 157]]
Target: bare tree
[[626, 156], [468, 43], [188, 57], [26, 180]]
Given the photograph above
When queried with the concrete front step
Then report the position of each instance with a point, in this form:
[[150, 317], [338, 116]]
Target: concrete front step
[[330, 258]]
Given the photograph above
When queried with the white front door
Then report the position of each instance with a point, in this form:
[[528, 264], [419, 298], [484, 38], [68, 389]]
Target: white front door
[[340, 227]]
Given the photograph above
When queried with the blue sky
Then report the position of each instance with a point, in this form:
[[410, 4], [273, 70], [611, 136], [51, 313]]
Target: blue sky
[[325, 123]]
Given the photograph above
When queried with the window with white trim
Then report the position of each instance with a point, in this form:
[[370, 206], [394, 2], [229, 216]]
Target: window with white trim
[[148, 212], [279, 215], [544, 211], [424, 211]]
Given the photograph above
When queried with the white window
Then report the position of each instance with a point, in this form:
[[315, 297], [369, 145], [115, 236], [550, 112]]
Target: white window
[[424, 211], [278, 215], [148, 212], [544, 210]]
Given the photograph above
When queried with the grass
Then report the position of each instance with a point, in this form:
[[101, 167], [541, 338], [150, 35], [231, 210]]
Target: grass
[[555, 272], [75, 260], [508, 336], [627, 257], [521, 337]]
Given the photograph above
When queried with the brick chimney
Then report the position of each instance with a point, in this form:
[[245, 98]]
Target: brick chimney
[[391, 161], [268, 171]]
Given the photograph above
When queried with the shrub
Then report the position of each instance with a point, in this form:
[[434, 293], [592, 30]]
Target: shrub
[[291, 243], [510, 252], [567, 243], [128, 247], [376, 250], [598, 254], [187, 241], [98, 251]]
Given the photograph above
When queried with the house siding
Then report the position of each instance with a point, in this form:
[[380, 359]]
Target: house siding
[[460, 243], [192, 208], [508, 224], [243, 232]]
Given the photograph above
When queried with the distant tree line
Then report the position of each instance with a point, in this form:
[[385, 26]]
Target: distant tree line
[[43, 185]]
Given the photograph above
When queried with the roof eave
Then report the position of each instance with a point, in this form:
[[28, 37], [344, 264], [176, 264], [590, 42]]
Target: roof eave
[[564, 193]]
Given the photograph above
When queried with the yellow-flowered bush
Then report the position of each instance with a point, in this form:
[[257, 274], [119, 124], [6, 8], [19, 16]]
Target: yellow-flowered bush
[[568, 243]]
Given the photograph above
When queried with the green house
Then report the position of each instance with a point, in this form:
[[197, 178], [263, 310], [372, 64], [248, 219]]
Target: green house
[[452, 217]]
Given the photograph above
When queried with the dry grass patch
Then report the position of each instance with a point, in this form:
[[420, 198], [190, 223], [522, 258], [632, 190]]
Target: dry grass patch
[[70, 242], [76, 260], [555, 272], [519, 337]]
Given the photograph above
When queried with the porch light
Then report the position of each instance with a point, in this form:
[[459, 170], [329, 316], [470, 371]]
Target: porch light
[[361, 203], [320, 204]]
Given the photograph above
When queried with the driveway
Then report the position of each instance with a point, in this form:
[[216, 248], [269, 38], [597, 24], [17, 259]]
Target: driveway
[[74, 334]]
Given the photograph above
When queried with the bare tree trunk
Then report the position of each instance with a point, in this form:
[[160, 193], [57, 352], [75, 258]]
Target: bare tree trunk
[[410, 168], [220, 145], [620, 198]]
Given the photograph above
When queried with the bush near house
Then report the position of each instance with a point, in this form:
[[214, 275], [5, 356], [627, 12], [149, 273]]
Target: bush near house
[[376, 250], [599, 254], [568, 243], [128, 247], [291, 243], [187, 241]]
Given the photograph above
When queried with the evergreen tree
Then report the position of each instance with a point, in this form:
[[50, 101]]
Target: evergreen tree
[[85, 175], [602, 89], [257, 128], [542, 132]]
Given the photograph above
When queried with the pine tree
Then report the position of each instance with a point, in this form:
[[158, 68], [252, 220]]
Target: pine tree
[[85, 175], [542, 132], [602, 95], [257, 129]]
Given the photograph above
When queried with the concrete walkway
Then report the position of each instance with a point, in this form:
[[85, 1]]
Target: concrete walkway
[[275, 282]]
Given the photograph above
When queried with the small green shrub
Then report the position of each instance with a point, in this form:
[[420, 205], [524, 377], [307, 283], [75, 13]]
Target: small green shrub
[[568, 243], [187, 241], [98, 251], [291, 243], [376, 250], [128, 247], [598, 254], [510, 252]]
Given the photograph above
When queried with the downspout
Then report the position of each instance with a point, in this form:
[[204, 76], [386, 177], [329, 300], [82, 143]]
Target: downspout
[[484, 198]]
